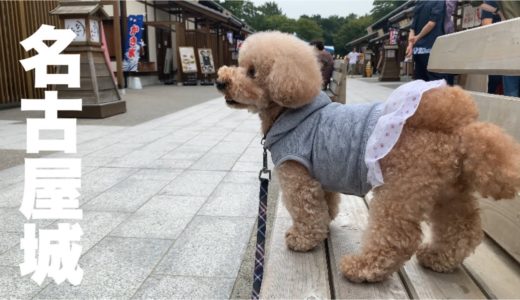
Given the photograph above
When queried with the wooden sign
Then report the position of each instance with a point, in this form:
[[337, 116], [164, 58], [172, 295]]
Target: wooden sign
[[206, 61], [188, 63]]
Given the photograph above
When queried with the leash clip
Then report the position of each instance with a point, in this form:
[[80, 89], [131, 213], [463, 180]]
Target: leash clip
[[265, 167]]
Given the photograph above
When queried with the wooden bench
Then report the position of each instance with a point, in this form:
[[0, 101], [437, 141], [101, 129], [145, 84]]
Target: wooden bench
[[337, 90], [493, 271]]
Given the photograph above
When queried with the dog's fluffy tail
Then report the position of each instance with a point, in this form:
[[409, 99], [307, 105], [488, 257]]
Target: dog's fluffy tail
[[491, 160]]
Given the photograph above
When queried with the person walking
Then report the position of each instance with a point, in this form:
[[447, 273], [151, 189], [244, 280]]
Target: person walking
[[427, 25], [352, 57], [327, 63]]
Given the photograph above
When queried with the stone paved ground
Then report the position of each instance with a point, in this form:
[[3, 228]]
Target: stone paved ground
[[169, 205]]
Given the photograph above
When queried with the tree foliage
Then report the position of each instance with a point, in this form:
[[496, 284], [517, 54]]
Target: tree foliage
[[353, 28], [382, 7], [334, 30]]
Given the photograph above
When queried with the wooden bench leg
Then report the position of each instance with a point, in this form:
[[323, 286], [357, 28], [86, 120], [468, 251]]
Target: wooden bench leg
[[456, 232], [304, 198]]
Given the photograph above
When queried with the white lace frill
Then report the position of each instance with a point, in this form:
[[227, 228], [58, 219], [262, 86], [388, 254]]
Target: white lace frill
[[400, 106]]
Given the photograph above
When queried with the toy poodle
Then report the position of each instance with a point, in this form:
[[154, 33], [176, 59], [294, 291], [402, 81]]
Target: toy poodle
[[422, 152]]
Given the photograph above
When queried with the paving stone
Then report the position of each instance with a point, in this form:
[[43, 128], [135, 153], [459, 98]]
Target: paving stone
[[114, 268], [252, 155], [232, 199], [178, 164], [215, 162], [116, 150], [8, 240], [242, 177], [185, 152], [126, 196], [11, 197], [100, 180], [162, 217], [12, 175], [203, 143], [13, 220], [95, 225], [156, 174], [182, 287], [14, 286], [236, 136], [247, 166], [94, 145], [159, 148], [137, 162], [96, 161], [194, 183], [210, 246], [144, 137], [229, 147]]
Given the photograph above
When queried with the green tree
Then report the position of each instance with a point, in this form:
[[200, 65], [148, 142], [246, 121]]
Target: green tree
[[330, 26], [352, 29], [278, 22], [270, 9], [308, 29], [382, 7]]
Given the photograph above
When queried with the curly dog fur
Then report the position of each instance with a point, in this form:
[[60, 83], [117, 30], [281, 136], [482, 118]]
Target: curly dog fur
[[442, 157]]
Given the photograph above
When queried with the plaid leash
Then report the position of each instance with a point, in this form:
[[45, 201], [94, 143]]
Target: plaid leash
[[260, 231]]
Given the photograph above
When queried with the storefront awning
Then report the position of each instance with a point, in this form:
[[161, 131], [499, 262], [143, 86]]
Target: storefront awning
[[362, 39]]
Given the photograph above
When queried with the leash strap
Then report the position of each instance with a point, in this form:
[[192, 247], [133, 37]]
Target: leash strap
[[261, 227], [260, 239]]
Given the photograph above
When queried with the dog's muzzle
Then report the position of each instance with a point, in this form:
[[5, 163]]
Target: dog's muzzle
[[221, 85]]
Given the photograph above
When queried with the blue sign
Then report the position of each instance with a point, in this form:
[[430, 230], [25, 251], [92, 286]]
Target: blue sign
[[134, 42]]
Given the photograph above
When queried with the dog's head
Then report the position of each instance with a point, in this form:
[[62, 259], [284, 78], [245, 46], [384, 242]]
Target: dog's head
[[272, 67]]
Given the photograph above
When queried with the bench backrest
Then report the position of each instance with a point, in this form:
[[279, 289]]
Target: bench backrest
[[337, 87], [492, 50]]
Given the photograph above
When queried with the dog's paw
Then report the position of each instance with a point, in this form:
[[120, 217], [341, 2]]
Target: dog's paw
[[357, 269], [435, 260], [299, 242]]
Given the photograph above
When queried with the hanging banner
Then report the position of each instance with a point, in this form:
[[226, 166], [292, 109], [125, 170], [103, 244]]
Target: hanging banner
[[134, 42]]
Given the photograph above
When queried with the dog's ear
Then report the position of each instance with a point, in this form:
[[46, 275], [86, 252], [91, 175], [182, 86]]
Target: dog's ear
[[294, 81]]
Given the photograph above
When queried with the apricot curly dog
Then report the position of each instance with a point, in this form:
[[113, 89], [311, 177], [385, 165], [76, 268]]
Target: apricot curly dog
[[441, 156]]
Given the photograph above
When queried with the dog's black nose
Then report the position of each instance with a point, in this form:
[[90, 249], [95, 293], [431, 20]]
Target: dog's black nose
[[221, 85]]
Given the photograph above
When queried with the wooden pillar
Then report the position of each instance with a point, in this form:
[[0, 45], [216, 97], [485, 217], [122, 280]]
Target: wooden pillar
[[124, 30], [180, 36], [117, 44]]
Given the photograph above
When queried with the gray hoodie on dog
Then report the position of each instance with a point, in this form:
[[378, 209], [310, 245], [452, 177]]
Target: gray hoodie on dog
[[329, 139]]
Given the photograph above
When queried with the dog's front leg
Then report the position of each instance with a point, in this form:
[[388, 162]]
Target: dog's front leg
[[305, 200]]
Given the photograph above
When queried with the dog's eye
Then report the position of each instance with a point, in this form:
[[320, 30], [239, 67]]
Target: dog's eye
[[251, 72]]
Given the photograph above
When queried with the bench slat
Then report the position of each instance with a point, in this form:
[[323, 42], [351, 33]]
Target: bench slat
[[495, 271], [427, 284], [337, 65], [333, 87], [501, 110], [337, 76], [345, 237], [493, 49], [500, 219], [293, 275]]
